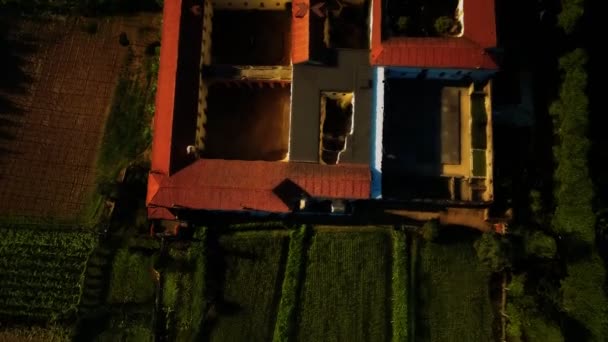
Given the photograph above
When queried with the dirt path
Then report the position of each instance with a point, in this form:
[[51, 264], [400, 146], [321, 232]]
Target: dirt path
[[53, 106]]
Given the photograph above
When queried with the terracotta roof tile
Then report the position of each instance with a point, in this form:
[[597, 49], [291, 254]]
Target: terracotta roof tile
[[165, 96], [464, 52], [233, 185], [160, 213], [300, 33]]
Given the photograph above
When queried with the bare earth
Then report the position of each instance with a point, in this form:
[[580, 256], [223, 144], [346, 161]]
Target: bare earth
[[53, 109]]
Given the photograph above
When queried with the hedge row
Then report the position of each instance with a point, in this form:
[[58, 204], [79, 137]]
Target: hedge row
[[574, 190], [582, 290], [286, 317]]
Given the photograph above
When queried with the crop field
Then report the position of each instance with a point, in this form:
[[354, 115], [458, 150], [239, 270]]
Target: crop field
[[453, 293], [250, 289], [35, 334], [184, 291], [55, 94], [347, 288], [132, 278], [42, 273]]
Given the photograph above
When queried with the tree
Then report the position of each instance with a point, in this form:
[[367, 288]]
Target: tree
[[583, 296], [572, 11], [443, 25]]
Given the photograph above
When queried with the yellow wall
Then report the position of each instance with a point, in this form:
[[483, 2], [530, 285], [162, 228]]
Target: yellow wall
[[203, 90]]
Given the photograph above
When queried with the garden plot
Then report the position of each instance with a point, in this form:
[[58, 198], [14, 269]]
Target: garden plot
[[247, 298], [346, 291]]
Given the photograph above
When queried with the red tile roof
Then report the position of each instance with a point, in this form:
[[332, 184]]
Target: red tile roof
[[165, 99], [215, 184], [468, 51], [300, 34], [160, 213]]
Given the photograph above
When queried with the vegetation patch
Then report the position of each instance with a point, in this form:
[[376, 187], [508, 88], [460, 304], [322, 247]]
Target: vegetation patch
[[452, 291], [422, 18], [248, 271], [286, 317], [128, 131], [184, 290], [346, 292], [400, 286], [42, 273], [51, 333], [132, 278], [574, 190], [582, 291], [128, 327]]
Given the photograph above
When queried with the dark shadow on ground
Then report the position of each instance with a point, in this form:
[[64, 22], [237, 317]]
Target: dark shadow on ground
[[84, 8], [15, 48], [247, 124], [14, 51], [245, 37]]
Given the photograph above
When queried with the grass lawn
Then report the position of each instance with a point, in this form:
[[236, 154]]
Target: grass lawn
[[452, 291], [346, 292], [247, 298]]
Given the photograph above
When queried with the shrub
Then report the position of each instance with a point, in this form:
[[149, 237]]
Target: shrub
[[430, 230], [492, 252], [403, 23], [516, 286], [514, 324], [443, 25], [536, 207], [539, 245]]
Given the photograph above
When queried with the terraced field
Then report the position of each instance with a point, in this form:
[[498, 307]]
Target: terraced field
[[42, 273]]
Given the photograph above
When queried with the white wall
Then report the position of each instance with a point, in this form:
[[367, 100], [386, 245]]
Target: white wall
[[377, 124]]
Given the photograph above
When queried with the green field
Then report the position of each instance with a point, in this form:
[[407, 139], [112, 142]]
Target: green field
[[132, 278], [184, 290], [250, 286], [346, 293], [330, 284], [41, 273], [452, 291], [130, 299]]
